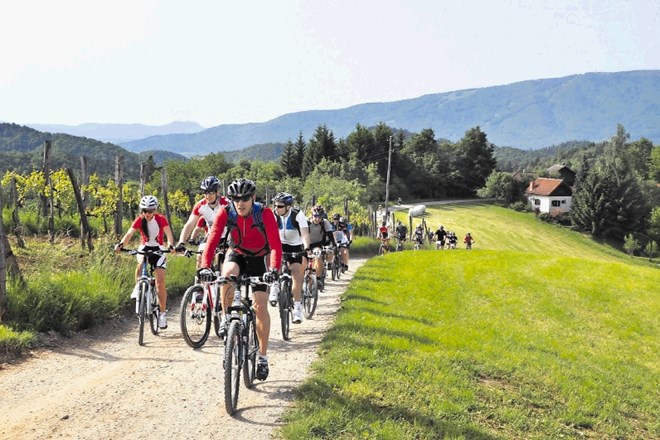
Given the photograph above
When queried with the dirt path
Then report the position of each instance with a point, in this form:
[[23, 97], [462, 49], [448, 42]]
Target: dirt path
[[108, 387]]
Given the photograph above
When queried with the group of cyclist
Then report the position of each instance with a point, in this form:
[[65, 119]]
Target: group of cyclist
[[442, 238], [253, 239]]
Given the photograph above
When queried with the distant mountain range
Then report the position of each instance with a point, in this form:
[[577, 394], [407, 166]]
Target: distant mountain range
[[526, 115], [117, 133]]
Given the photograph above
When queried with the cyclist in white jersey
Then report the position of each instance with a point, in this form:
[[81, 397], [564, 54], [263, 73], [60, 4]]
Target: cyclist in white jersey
[[206, 208], [294, 235]]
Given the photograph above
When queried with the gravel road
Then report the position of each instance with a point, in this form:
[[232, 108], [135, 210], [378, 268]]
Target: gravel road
[[102, 385]]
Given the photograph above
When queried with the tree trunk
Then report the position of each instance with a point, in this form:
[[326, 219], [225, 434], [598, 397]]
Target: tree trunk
[[3, 268], [163, 182], [86, 233], [119, 181], [84, 181], [15, 221]]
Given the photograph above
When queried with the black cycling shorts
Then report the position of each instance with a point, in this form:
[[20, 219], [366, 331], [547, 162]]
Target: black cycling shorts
[[252, 267], [292, 248]]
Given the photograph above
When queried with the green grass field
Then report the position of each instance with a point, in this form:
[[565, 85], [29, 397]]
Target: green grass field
[[536, 333]]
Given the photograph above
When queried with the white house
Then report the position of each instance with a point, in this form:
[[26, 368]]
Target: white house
[[549, 195]]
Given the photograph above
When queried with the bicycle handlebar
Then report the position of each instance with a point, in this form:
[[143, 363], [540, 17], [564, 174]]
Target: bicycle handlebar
[[147, 252]]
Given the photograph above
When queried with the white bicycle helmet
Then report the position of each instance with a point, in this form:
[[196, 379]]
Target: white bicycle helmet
[[148, 202]]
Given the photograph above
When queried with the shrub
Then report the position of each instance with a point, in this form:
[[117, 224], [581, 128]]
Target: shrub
[[519, 206]]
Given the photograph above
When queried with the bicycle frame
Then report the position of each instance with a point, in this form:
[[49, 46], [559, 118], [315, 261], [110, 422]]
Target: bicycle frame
[[147, 304], [242, 343]]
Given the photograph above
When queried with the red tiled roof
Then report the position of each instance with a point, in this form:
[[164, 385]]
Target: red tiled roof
[[548, 187]]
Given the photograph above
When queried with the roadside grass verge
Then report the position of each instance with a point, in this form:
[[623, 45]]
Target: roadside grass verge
[[68, 289], [488, 344]]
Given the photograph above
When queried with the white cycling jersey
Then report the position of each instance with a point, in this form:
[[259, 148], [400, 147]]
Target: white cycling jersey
[[288, 233], [203, 209]]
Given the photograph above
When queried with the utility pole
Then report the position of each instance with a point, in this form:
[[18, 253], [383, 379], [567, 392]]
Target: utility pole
[[387, 183]]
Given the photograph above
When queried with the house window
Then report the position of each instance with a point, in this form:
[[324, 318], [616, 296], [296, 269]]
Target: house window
[[556, 203], [537, 202]]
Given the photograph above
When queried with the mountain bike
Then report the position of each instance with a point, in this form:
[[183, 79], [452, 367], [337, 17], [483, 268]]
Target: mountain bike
[[399, 244], [310, 291], [241, 343], [285, 298], [384, 247], [201, 306], [336, 265], [147, 304]]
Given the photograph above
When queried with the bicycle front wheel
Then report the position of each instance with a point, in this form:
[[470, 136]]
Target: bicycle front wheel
[[285, 307], [310, 296], [232, 363], [154, 311], [195, 317], [250, 348], [142, 311]]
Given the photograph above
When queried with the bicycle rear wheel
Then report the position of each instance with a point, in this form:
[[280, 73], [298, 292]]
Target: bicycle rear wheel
[[285, 308], [154, 311], [142, 311], [251, 348], [232, 364], [337, 267], [195, 317], [310, 296]]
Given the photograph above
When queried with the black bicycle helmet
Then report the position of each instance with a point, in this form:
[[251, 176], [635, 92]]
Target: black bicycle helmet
[[283, 197], [336, 216], [241, 187], [318, 209], [211, 183]]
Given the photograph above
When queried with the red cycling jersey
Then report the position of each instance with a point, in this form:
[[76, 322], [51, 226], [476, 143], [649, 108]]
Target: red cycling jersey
[[155, 228], [248, 238]]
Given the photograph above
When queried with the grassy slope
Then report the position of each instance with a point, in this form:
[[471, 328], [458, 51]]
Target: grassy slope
[[537, 333]]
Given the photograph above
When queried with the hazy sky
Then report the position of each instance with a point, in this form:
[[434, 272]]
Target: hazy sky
[[219, 62]]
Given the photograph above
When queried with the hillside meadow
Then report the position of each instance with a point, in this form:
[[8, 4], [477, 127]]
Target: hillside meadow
[[536, 333]]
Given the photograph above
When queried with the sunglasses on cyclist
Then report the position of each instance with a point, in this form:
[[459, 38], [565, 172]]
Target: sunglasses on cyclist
[[210, 192], [240, 198], [316, 215], [280, 206], [148, 211]]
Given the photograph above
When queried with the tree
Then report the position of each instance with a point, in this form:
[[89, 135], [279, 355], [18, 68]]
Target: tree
[[361, 143], [474, 160], [639, 154], [287, 160], [502, 186], [630, 244], [609, 199], [321, 145], [301, 146], [654, 171]]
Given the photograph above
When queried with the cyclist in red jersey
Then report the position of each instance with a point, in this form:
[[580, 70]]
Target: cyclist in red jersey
[[257, 251], [206, 209]]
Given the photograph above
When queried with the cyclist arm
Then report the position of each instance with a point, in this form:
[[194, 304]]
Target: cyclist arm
[[328, 232], [127, 237], [273, 237], [304, 229], [170, 237], [214, 237], [190, 224]]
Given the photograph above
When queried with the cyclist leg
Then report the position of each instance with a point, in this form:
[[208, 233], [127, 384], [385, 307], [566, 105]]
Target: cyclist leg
[[233, 266], [256, 266]]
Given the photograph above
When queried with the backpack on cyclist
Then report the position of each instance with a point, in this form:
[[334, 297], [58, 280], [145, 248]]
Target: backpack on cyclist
[[257, 219], [292, 215]]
